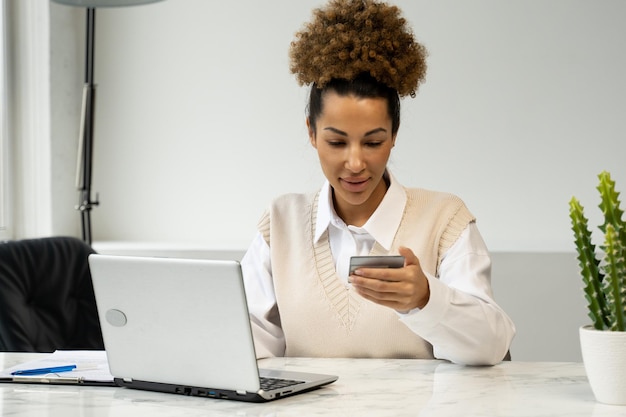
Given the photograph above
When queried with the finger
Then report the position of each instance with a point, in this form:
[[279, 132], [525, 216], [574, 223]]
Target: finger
[[387, 299], [372, 284], [409, 257], [382, 274]]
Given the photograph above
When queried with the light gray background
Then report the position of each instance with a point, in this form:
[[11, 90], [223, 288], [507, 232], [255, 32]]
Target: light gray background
[[199, 124]]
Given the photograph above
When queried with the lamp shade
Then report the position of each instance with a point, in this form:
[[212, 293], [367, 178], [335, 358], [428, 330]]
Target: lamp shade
[[104, 3]]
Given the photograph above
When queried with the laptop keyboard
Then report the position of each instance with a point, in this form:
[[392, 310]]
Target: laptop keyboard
[[268, 384]]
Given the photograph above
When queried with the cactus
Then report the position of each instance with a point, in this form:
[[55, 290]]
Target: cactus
[[603, 272]]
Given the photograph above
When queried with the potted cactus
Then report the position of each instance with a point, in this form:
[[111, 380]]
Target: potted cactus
[[603, 271]]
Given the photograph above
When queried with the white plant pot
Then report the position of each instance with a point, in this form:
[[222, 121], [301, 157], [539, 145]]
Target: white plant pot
[[604, 357]]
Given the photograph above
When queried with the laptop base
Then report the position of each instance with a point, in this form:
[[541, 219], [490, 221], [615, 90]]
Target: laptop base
[[255, 397]]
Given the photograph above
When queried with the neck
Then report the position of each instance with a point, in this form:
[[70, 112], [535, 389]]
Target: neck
[[359, 215]]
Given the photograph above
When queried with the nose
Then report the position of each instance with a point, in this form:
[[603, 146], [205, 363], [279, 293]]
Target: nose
[[354, 159]]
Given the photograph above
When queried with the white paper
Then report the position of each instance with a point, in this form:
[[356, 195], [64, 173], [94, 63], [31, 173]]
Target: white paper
[[91, 366]]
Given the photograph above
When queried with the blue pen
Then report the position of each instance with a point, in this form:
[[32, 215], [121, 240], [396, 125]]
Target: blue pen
[[43, 371]]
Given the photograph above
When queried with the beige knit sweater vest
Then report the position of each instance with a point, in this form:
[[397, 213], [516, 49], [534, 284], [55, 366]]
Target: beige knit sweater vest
[[320, 316]]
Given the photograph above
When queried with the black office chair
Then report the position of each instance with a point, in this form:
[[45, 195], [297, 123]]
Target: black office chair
[[46, 296]]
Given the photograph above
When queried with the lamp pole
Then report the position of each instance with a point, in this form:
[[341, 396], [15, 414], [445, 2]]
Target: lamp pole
[[85, 140], [85, 148]]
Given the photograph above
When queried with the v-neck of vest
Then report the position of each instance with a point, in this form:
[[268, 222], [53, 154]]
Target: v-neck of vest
[[343, 298]]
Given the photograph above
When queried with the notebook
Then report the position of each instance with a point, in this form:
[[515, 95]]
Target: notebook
[[86, 367], [182, 326]]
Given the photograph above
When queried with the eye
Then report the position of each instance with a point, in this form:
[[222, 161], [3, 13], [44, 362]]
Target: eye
[[374, 144], [336, 143]]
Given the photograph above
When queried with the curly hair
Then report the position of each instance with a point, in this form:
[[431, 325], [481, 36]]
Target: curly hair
[[348, 38]]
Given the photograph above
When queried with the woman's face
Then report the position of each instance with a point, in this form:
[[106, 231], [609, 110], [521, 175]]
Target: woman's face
[[353, 140]]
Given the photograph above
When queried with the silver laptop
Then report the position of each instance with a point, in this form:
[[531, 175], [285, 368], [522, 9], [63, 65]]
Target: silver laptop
[[182, 326]]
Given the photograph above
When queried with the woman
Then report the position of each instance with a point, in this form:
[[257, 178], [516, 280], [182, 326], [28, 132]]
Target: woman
[[359, 58]]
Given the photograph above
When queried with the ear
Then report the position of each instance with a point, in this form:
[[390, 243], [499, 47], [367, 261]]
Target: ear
[[393, 141], [312, 138]]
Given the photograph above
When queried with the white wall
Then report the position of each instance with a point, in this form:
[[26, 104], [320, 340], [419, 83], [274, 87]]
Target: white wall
[[542, 293], [199, 123], [67, 73]]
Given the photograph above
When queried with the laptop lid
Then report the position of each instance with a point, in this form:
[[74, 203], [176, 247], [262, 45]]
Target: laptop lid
[[182, 326]]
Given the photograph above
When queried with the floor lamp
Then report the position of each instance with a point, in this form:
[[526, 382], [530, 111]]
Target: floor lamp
[[85, 140]]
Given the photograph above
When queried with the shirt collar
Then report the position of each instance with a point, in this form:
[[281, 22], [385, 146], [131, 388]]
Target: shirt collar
[[383, 223]]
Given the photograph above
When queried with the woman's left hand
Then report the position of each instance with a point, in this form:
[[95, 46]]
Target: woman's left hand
[[402, 289]]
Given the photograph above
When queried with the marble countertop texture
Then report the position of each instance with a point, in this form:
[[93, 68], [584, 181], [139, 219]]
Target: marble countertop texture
[[366, 387]]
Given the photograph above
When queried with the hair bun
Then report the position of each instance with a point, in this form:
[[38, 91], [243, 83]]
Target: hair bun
[[351, 37]]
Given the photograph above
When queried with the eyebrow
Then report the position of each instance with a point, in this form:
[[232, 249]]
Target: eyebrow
[[342, 133]]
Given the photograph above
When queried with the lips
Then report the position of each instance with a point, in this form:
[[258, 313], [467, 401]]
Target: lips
[[354, 185]]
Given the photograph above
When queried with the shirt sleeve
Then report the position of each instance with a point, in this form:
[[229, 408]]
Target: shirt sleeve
[[461, 320], [269, 339]]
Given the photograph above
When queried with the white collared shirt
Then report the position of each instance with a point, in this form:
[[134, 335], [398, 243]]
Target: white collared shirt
[[461, 319], [347, 240]]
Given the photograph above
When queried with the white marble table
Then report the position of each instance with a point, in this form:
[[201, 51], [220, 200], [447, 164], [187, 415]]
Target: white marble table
[[366, 387]]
